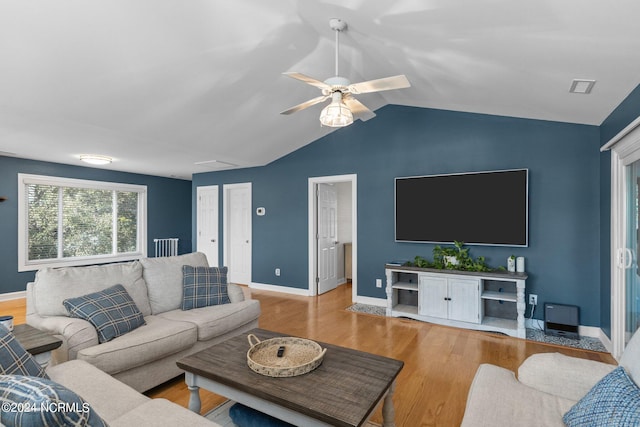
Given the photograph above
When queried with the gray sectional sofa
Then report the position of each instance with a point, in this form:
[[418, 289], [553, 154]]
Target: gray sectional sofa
[[118, 404], [547, 387], [146, 356]]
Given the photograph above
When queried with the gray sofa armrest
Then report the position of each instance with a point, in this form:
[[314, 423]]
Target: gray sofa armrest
[[238, 293], [561, 375], [497, 399], [76, 334]]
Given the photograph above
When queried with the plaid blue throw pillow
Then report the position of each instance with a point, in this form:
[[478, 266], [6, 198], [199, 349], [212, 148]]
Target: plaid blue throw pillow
[[111, 311], [30, 402], [14, 359], [613, 401], [204, 286]]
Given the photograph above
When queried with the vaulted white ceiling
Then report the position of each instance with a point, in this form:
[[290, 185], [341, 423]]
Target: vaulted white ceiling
[[162, 84]]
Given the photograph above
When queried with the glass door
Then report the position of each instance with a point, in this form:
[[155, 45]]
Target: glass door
[[632, 270], [625, 272]]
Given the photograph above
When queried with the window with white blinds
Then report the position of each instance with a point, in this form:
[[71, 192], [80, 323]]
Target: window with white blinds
[[77, 222]]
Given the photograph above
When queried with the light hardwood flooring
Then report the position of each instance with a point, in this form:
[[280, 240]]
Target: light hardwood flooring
[[440, 361]]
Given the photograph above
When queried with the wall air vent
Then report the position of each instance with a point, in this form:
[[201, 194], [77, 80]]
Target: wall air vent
[[583, 86]]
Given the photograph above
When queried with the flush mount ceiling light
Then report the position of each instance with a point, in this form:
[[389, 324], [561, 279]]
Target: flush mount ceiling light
[[581, 86], [95, 159]]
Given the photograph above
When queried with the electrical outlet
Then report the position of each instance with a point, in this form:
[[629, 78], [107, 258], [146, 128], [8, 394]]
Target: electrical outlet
[[378, 283], [277, 271], [533, 299]]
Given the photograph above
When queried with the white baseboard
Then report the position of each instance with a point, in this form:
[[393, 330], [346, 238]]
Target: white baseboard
[[278, 288], [606, 341], [589, 331], [13, 295], [380, 302]]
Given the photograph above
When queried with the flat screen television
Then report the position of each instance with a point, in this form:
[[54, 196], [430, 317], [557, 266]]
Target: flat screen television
[[483, 208]]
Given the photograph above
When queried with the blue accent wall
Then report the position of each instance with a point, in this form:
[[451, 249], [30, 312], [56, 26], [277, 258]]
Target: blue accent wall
[[168, 209], [624, 114], [564, 196]]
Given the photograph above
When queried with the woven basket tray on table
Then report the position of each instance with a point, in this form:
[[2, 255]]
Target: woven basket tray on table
[[300, 356]]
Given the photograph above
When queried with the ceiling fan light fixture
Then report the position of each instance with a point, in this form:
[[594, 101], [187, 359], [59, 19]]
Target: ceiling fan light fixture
[[95, 159], [336, 115]]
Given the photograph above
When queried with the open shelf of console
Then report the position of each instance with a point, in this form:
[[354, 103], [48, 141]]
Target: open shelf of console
[[491, 301]]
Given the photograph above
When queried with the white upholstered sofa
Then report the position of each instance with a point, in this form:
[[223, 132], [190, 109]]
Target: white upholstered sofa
[[146, 356], [548, 385]]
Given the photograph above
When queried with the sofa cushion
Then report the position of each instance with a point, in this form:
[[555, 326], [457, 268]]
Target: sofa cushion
[[614, 401], [163, 276], [33, 401], [53, 285], [14, 359], [562, 375], [111, 311], [204, 286], [217, 320], [155, 340], [161, 413], [108, 396], [497, 398]]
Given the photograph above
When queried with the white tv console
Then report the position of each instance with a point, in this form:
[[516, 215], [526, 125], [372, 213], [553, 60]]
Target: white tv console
[[457, 298]]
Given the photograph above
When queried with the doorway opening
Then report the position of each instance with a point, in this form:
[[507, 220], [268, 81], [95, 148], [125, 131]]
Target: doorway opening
[[332, 231]]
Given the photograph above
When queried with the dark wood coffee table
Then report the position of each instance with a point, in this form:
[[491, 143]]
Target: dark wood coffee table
[[343, 391], [38, 343]]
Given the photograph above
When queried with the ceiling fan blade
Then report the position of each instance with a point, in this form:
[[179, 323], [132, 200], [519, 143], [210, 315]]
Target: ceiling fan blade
[[304, 105], [387, 83], [358, 108], [308, 80]]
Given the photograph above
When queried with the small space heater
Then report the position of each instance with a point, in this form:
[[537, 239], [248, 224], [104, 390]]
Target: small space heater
[[561, 320]]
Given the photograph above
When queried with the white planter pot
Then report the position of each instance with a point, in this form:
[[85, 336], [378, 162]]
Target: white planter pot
[[450, 260]]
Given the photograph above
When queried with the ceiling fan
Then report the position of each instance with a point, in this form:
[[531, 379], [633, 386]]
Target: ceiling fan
[[343, 104]]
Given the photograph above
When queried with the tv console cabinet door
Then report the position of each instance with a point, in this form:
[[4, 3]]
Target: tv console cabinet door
[[433, 296], [464, 304]]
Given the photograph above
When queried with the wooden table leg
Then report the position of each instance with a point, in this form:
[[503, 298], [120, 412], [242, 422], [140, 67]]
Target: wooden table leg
[[194, 393], [388, 412]]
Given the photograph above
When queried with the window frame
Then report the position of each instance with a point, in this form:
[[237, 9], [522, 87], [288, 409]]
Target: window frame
[[24, 264]]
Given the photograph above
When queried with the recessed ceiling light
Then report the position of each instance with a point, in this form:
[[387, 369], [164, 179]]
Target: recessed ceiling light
[[95, 159], [583, 86]]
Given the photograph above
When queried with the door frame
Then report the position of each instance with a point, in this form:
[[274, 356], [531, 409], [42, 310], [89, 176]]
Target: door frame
[[313, 229], [225, 223], [625, 149], [199, 190]]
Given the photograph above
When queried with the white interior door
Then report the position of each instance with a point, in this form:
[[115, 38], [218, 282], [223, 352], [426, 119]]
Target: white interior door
[[237, 229], [207, 223], [327, 238]]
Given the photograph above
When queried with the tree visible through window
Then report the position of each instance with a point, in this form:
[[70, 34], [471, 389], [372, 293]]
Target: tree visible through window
[[72, 219]]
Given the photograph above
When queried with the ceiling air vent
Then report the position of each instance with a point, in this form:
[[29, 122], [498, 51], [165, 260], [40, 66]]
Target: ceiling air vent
[[583, 86], [213, 165]]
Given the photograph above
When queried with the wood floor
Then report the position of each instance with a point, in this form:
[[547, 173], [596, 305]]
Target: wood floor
[[440, 361]]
